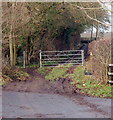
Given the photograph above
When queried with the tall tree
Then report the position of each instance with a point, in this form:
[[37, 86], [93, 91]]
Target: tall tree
[[46, 25]]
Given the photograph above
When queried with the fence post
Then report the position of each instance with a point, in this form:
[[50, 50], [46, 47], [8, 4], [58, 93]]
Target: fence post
[[23, 59], [82, 57], [40, 58]]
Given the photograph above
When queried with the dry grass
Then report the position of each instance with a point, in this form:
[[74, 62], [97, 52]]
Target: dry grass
[[12, 73]]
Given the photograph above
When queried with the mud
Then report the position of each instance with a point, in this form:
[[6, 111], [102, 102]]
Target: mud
[[37, 83]]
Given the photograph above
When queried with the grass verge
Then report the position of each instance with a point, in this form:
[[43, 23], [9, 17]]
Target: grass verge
[[85, 83], [56, 73], [12, 74], [29, 66], [43, 70], [88, 85]]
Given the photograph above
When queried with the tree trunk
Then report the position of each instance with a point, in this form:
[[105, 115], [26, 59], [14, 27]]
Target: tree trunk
[[11, 47], [30, 51], [26, 52], [92, 32], [29, 55], [14, 44], [96, 32]]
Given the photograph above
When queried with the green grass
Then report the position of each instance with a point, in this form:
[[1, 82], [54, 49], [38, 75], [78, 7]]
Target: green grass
[[56, 73], [29, 66], [43, 70], [88, 85], [49, 63], [85, 83], [32, 66]]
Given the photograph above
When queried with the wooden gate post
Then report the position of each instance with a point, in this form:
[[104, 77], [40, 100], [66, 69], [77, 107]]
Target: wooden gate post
[[110, 72], [40, 58], [23, 59], [112, 56]]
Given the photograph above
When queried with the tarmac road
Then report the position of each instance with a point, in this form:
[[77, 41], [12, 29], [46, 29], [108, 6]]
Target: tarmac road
[[35, 105]]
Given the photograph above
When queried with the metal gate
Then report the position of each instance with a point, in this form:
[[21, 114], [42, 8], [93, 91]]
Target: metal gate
[[65, 58]]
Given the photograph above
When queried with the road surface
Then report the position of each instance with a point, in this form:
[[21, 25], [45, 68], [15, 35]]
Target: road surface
[[35, 105]]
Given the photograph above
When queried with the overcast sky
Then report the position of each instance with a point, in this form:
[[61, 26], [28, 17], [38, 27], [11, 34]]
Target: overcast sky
[[110, 17]]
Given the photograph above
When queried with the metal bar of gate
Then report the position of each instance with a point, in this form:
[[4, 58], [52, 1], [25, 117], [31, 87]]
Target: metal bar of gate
[[70, 57], [63, 59], [65, 63], [63, 55], [63, 51]]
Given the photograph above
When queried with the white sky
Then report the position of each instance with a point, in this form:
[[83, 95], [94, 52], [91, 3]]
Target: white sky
[[110, 17]]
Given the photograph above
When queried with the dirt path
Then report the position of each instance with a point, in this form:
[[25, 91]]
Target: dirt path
[[37, 83]]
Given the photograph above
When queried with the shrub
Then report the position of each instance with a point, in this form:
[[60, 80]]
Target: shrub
[[100, 59], [12, 73]]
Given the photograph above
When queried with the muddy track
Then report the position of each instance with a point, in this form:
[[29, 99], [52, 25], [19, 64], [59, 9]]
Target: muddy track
[[37, 83]]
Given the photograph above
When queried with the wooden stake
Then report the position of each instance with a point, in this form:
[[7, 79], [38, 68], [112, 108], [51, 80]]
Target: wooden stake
[[40, 59]]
